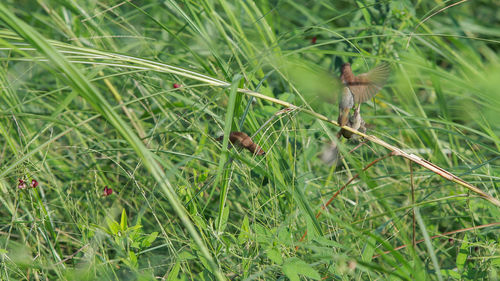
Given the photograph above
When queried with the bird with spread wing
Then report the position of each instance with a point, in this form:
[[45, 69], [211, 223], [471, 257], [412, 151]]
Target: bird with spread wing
[[355, 91]]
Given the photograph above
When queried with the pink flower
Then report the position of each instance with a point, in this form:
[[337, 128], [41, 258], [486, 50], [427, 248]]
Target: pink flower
[[177, 85], [34, 183], [107, 191], [21, 185]]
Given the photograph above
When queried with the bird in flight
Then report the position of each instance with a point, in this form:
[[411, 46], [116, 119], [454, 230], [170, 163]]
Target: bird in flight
[[356, 90]]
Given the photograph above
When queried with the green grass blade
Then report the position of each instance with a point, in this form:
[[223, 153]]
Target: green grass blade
[[224, 156]]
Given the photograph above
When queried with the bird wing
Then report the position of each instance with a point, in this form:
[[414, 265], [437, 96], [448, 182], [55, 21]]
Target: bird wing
[[366, 85]]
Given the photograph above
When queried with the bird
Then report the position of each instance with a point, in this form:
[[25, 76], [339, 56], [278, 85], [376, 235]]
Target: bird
[[366, 85], [356, 90], [345, 105], [356, 122], [243, 140]]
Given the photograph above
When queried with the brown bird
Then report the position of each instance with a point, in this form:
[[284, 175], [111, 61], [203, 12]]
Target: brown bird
[[345, 105], [356, 122], [358, 89], [243, 140]]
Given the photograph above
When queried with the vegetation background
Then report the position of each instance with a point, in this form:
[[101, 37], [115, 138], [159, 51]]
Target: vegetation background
[[133, 94]]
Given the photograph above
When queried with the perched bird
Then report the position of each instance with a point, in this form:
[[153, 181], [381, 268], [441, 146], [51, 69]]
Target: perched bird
[[356, 122], [361, 88], [243, 140], [345, 105]]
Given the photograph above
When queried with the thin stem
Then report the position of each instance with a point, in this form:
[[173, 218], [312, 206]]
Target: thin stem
[[413, 204], [441, 235]]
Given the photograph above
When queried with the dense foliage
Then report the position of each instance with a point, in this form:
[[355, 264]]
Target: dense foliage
[[111, 167]]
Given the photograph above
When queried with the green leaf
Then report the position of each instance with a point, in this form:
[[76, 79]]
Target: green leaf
[[364, 11], [284, 236], [262, 235], [327, 242], [295, 266], [149, 239], [225, 215], [185, 255], [123, 220], [274, 255], [287, 97], [205, 263], [313, 226], [200, 223], [132, 258], [451, 274], [172, 275], [135, 229], [113, 226], [312, 232], [368, 250], [462, 254], [244, 235]]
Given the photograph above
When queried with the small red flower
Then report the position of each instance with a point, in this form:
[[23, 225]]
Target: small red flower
[[177, 85], [21, 185], [313, 40], [107, 191], [34, 183]]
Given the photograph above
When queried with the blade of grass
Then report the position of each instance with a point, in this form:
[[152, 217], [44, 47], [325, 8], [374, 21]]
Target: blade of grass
[[428, 243], [223, 159]]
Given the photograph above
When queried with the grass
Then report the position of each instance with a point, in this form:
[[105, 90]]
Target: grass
[[88, 101]]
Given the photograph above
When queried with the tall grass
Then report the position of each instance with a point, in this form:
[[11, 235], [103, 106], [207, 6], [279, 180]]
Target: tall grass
[[133, 95]]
